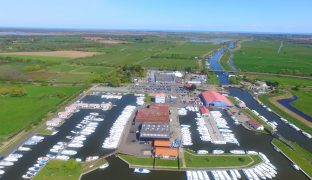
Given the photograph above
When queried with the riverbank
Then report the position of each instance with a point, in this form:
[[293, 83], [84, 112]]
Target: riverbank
[[297, 155], [281, 111]]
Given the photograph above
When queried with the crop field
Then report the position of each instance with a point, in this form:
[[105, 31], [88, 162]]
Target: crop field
[[17, 113], [264, 56], [65, 54]]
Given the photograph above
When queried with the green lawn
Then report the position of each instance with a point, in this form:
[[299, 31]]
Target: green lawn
[[304, 101], [60, 170], [213, 79], [136, 161], [263, 56], [220, 161], [17, 113], [300, 156], [167, 163], [265, 100]]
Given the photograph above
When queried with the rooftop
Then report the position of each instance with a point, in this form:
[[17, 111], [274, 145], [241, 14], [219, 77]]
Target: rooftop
[[211, 96], [162, 143], [153, 113], [165, 151], [155, 130]]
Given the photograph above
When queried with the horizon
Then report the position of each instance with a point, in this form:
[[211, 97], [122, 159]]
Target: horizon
[[174, 16]]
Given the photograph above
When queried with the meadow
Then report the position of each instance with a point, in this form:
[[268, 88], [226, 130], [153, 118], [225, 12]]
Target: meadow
[[282, 81], [17, 113], [264, 56], [304, 101]]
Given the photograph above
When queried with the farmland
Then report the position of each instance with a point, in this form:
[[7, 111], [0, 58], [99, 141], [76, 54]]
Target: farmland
[[263, 56], [304, 101], [17, 113], [282, 81]]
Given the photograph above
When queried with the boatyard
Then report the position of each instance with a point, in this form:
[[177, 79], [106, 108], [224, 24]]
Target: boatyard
[[194, 135]]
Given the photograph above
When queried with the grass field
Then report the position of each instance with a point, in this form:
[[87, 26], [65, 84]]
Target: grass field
[[265, 99], [17, 113], [282, 81], [300, 156], [220, 161], [60, 170], [136, 161], [166, 163], [263, 56], [304, 101], [41, 58], [224, 61]]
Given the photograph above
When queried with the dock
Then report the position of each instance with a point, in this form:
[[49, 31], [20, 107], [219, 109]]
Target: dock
[[213, 129]]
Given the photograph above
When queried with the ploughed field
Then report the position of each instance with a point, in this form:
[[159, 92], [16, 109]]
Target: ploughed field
[[268, 56], [19, 112]]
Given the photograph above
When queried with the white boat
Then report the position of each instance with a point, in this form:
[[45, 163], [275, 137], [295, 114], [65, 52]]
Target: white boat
[[2, 172], [104, 166], [189, 175], [237, 173], [233, 175], [6, 163], [217, 151], [27, 176], [205, 174], [141, 170], [200, 175], [307, 134], [75, 145], [1, 167], [69, 152], [296, 167], [215, 175], [62, 157], [24, 148], [202, 152], [194, 175], [294, 127], [237, 151], [15, 155], [11, 159], [247, 174]]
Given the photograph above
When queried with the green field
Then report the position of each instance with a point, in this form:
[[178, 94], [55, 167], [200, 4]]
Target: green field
[[17, 113], [136, 161], [60, 170], [265, 100], [304, 101], [166, 163], [40, 58], [224, 61], [300, 156], [282, 81], [220, 161], [263, 56]]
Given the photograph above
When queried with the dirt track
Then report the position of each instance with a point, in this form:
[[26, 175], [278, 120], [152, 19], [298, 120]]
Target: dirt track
[[69, 54], [276, 98]]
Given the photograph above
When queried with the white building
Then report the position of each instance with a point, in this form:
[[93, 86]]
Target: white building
[[160, 98]]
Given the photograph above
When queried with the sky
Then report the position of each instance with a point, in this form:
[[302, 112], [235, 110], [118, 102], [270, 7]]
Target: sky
[[285, 16]]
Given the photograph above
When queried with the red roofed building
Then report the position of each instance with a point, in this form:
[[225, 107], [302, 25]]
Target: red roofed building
[[215, 99], [254, 124], [155, 113], [204, 111]]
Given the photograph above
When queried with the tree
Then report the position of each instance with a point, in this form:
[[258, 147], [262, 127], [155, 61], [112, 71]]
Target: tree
[[193, 87]]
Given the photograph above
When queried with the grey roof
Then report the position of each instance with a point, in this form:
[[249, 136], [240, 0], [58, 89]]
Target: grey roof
[[155, 130], [164, 77]]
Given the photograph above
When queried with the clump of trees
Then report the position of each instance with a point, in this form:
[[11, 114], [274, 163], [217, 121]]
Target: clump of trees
[[16, 91], [120, 76]]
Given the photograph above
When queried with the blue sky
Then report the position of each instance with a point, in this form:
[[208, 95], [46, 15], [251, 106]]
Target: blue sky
[[189, 15]]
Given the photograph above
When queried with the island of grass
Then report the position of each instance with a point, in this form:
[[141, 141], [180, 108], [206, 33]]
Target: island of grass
[[23, 106], [265, 99], [222, 161], [258, 119], [67, 170], [224, 61], [295, 153]]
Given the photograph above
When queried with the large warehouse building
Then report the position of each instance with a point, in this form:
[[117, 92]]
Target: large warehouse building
[[154, 113], [214, 99]]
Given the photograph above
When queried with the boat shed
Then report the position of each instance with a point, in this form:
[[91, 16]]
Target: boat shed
[[166, 152], [214, 99]]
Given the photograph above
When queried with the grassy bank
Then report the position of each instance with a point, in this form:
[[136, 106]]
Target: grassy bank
[[220, 161], [300, 156], [304, 101], [282, 81], [60, 170], [265, 100], [166, 163], [19, 113], [136, 161], [258, 119], [224, 61], [213, 79]]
